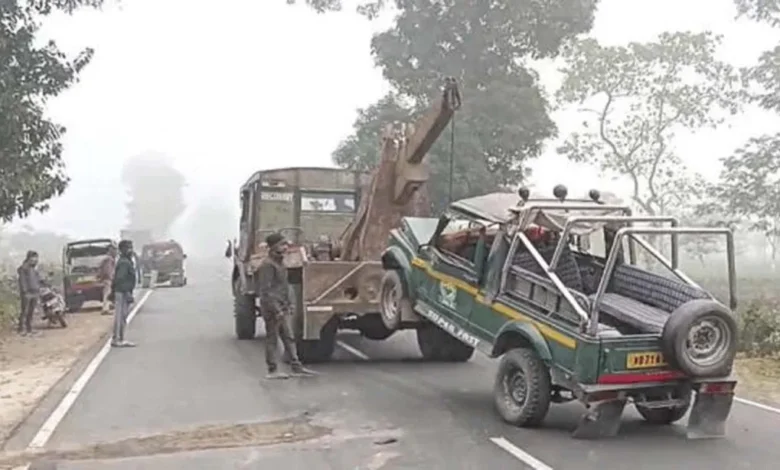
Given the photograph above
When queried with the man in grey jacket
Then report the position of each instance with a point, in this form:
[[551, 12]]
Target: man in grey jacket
[[29, 292], [273, 290]]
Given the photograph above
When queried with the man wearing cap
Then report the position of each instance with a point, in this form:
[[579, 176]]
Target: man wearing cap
[[276, 307]]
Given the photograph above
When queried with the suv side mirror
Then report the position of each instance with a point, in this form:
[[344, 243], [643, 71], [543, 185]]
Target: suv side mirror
[[229, 250]]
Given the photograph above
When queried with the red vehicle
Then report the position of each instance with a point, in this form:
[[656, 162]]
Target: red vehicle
[[80, 264]]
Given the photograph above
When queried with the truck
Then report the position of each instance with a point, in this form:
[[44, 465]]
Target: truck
[[337, 222], [80, 265]]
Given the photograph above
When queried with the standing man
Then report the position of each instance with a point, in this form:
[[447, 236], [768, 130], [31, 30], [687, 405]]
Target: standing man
[[106, 276], [29, 292], [122, 289], [274, 301]]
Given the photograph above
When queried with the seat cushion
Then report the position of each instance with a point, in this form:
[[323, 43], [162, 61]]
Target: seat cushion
[[643, 317], [568, 270]]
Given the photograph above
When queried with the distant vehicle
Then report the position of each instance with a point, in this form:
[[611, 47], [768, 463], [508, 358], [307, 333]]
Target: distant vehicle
[[166, 259], [80, 265], [524, 280], [338, 222]]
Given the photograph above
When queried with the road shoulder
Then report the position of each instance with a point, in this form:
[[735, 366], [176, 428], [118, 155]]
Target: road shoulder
[[32, 367]]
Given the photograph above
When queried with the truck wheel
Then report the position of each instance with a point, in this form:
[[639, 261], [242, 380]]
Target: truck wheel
[[700, 338], [393, 303], [437, 345], [372, 327], [245, 317], [522, 389], [319, 350]]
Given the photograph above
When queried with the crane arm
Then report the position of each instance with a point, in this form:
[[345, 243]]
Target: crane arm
[[410, 173], [394, 189]]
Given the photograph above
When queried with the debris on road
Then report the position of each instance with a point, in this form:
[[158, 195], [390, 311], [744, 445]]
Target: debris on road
[[196, 439]]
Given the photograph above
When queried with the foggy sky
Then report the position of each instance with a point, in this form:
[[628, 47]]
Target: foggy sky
[[250, 84]]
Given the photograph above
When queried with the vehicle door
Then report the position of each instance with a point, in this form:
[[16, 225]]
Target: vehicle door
[[452, 280]]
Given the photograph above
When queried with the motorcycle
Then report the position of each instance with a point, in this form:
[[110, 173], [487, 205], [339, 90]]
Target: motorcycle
[[53, 306]]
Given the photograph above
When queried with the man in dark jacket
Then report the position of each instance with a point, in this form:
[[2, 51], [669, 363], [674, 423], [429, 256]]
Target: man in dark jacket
[[122, 290], [274, 298], [29, 292]]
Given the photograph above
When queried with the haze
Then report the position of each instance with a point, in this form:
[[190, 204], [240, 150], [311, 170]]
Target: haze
[[253, 84]]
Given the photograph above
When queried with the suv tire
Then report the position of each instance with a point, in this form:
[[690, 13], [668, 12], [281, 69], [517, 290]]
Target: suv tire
[[437, 345], [393, 302], [712, 320], [522, 391]]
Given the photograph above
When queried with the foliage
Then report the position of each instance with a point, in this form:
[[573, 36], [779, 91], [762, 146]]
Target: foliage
[[759, 328], [760, 10], [156, 191], [749, 187], [641, 95], [31, 166], [48, 245], [483, 45]]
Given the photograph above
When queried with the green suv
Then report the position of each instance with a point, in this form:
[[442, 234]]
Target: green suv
[[553, 288]]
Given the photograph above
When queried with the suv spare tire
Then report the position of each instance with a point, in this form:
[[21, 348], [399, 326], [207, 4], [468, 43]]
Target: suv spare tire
[[700, 338]]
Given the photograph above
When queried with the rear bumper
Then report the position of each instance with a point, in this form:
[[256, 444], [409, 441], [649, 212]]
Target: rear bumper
[[85, 292], [655, 383]]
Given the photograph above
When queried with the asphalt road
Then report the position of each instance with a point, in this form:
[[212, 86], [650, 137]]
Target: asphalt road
[[382, 408]]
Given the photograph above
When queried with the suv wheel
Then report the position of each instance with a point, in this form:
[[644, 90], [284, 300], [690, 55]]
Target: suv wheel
[[437, 345], [393, 303], [522, 389]]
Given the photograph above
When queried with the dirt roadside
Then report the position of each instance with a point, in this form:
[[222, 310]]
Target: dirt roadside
[[759, 380], [30, 367]]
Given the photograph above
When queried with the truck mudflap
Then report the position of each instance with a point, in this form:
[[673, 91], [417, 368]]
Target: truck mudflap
[[602, 419], [710, 410]]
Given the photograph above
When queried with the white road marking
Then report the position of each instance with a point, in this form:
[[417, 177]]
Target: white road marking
[[760, 406], [520, 454], [355, 352], [54, 419]]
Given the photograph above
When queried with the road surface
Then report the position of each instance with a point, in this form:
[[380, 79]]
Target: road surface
[[375, 407]]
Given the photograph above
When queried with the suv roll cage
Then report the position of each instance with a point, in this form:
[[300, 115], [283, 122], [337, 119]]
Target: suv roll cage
[[589, 320]]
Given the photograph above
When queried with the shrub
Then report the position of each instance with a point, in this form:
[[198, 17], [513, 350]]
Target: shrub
[[759, 328], [9, 302]]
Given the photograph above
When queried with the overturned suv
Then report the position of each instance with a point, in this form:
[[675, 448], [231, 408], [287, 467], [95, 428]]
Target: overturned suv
[[553, 288]]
